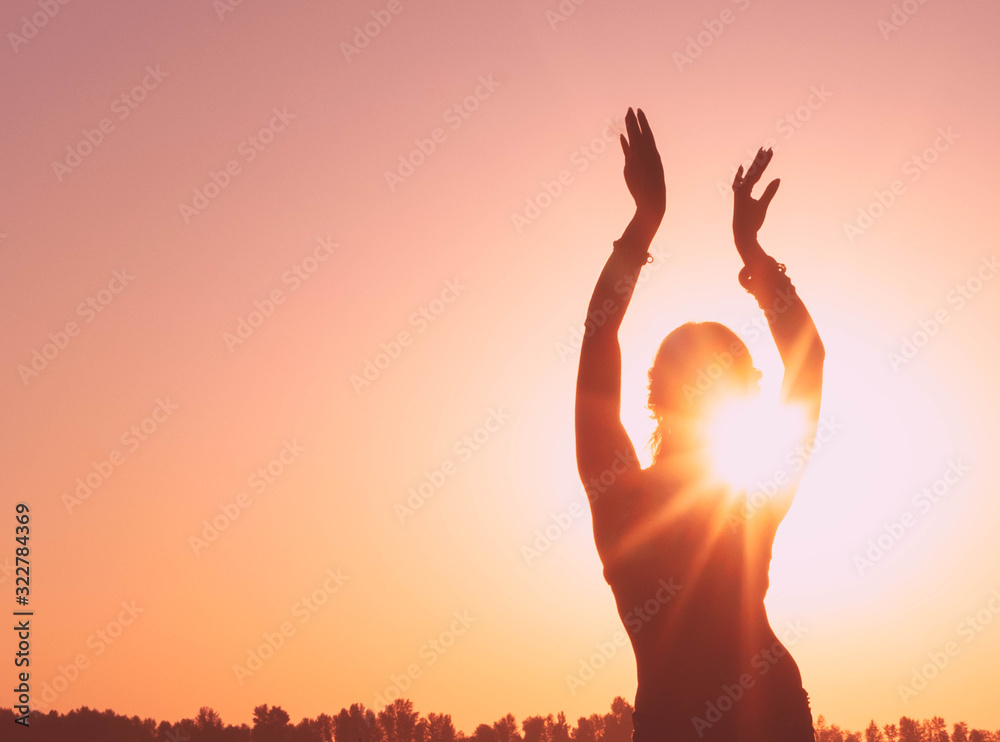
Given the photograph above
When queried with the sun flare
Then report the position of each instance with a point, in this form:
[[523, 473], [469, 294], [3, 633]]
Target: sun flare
[[749, 440]]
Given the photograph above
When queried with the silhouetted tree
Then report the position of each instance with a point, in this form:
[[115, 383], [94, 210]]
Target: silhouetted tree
[[960, 732], [891, 732], [209, 726], [819, 726], [909, 730], [319, 729], [167, 732], [270, 724], [937, 730], [145, 729], [557, 730], [398, 721], [507, 729], [440, 728], [618, 724], [873, 733], [534, 729], [484, 733], [355, 724], [88, 723], [588, 729], [207, 720]]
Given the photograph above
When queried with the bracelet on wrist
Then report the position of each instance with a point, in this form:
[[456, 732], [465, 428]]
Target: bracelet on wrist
[[619, 246], [765, 280]]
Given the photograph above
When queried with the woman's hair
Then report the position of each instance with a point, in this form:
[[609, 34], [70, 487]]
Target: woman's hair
[[696, 365]]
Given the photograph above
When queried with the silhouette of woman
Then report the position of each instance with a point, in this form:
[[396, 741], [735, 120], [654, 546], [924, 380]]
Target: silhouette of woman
[[686, 559]]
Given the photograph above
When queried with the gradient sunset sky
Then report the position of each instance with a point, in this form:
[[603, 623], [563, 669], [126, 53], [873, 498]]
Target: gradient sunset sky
[[265, 267]]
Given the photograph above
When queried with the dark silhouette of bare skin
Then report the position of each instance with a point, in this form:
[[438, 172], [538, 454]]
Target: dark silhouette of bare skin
[[671, 536]]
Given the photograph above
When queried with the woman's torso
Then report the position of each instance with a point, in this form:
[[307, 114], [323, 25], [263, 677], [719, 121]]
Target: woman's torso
[[689, 572]]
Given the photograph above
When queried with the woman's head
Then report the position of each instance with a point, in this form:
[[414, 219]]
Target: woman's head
[[696, 366]]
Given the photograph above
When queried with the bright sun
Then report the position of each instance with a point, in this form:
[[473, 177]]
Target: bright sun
[[751, 439]]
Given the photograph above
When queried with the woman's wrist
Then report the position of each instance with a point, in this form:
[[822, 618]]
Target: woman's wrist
[[749, 249], [642, 228], [635, 242], [766, 280], [634, 254]]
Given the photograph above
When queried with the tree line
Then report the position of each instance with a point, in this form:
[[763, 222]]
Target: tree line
[[399, 722]]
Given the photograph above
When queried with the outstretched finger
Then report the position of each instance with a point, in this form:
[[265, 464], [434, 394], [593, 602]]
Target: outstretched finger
[[757, 167], [632, 127], [769, 192], [625, 148], [646, 131], [738, 179]]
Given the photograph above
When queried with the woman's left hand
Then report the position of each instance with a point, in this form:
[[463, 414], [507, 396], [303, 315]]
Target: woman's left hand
[[749, 212]]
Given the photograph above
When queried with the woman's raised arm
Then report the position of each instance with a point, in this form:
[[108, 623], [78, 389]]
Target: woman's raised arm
[[792, 328], [795, 335], [603, 450]]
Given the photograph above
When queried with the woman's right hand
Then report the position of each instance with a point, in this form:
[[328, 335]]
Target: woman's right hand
[[643, 169]]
